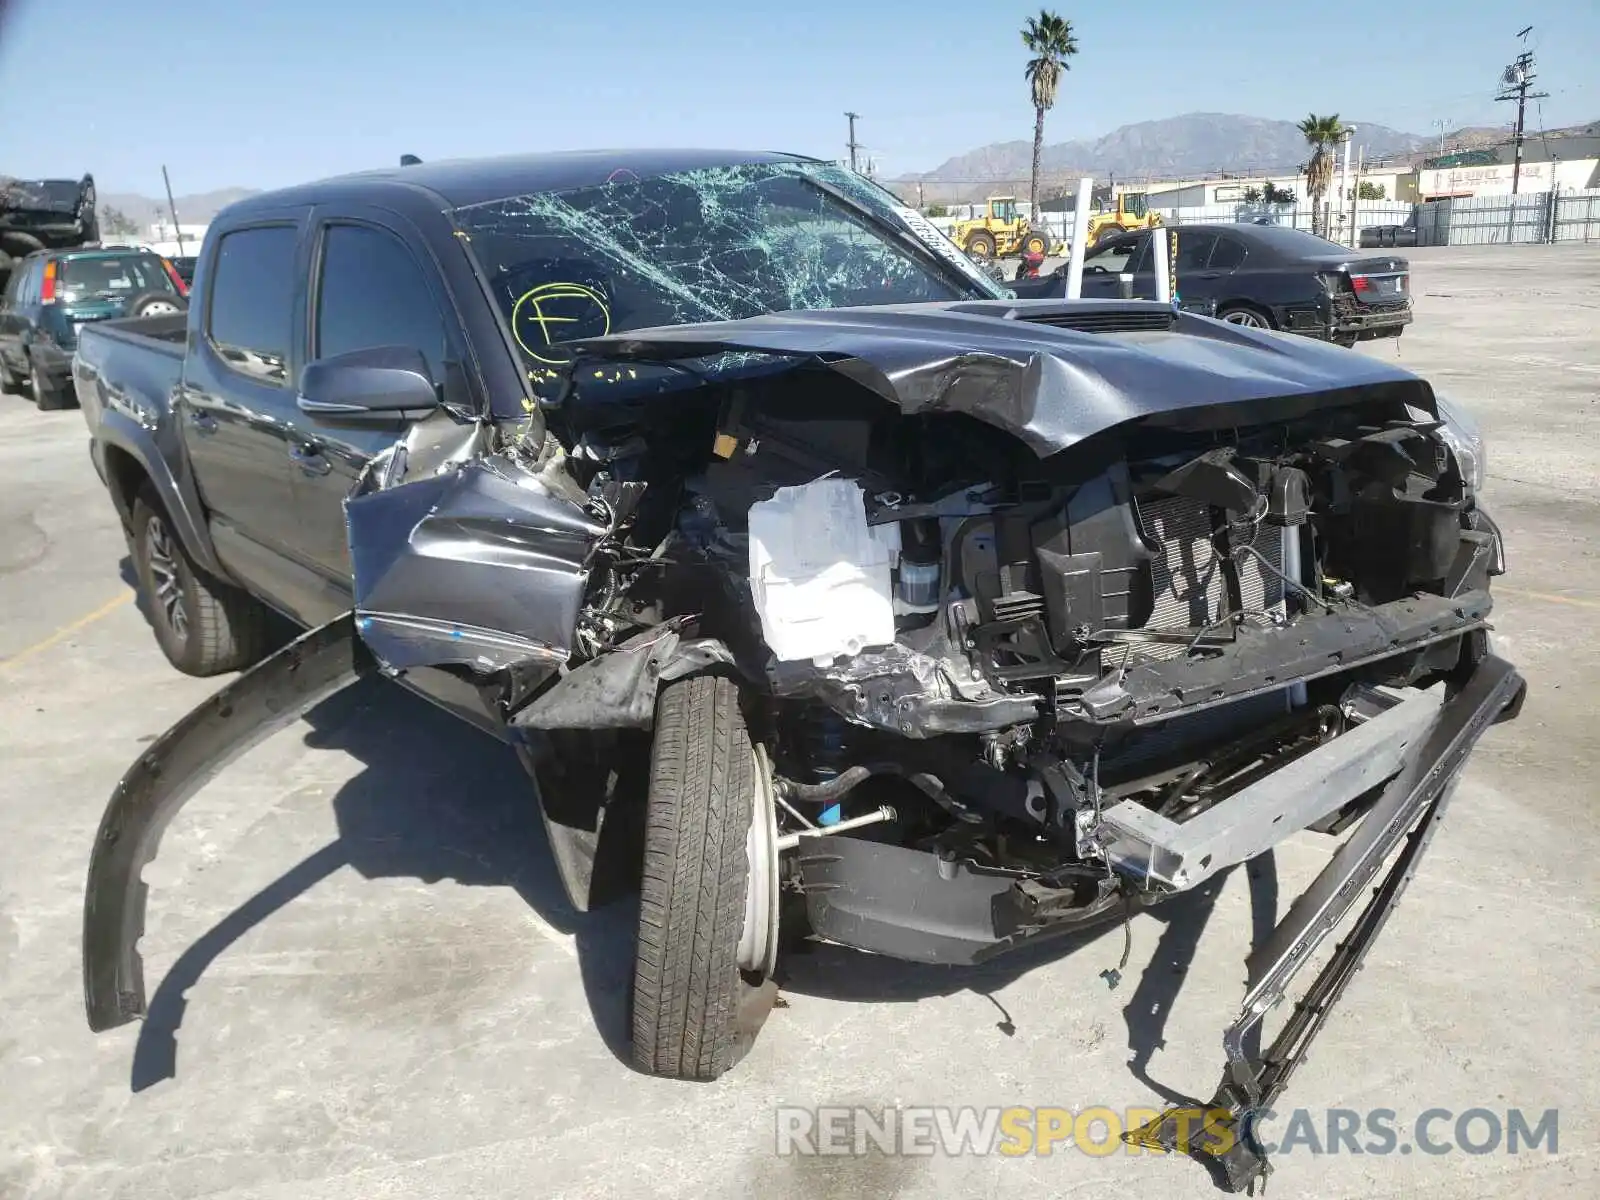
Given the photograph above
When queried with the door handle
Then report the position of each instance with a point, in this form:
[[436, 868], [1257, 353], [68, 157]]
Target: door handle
[[310, 460], [1209, 275], [202, 422]]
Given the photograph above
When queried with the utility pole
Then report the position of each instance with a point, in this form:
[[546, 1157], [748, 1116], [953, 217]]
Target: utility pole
[[173, 209], [852, 143], [1442, 124], [1514, 85]]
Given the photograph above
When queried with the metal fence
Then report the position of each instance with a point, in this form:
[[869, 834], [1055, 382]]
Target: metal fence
[[1528, 219], [1531, 218]]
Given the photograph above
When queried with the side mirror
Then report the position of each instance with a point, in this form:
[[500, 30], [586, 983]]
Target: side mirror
[[383, 385]]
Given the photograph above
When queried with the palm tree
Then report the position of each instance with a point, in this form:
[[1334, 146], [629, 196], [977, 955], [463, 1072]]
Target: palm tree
[[1321, 134], [1051, 41]]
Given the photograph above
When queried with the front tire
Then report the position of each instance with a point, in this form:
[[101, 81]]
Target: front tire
[[981, 245], [695, 1013], [1034, 243], [203, 626]]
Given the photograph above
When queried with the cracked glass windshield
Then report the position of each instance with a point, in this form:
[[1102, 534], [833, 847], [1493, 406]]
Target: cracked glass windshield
[[716, 244]]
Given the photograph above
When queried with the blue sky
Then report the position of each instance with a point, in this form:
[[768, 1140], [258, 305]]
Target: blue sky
[[261, 94]]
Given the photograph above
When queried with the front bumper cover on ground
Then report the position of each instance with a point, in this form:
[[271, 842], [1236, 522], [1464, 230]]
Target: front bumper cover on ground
[[1413, 803], [268, 697]]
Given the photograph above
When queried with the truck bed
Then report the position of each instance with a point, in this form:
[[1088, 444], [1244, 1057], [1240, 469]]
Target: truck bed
[[165, 334], [125, 371]]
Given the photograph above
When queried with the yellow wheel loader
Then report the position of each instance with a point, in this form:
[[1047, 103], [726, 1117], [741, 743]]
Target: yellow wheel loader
[[1001, 232], [1131, 211]]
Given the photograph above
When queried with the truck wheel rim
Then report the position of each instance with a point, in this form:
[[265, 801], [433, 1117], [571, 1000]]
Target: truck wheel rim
[[1245, 318], [164, 576], [758, 939]]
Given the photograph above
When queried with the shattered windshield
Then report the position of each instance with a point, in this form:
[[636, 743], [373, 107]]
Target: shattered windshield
[[714, 244]]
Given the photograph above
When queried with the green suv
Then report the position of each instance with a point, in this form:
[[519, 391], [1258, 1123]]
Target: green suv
[[51, 294]]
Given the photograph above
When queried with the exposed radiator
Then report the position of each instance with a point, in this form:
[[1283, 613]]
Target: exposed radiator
[[1187, 583]]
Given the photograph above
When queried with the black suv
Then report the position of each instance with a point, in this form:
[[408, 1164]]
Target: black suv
[[45, 214]]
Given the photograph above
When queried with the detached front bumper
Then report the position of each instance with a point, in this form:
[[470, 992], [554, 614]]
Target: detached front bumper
[[1405, 816], [912, 904]]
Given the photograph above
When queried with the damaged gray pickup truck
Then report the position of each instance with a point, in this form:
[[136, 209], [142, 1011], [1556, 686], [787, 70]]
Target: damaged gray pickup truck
[[947, 622]]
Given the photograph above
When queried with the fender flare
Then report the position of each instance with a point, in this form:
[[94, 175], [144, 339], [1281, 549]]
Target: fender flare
[[616, 691], [120, 431], [258, 703]]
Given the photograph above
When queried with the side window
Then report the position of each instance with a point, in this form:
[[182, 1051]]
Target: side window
[[1228, 256], [250, 320], [1194, 250], [1116, 256], [373, 293]]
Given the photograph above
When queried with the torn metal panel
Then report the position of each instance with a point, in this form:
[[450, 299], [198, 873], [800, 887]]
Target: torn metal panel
[[481, 566], [1051, 387], [271, 695], [618, 689], [1166, 854]]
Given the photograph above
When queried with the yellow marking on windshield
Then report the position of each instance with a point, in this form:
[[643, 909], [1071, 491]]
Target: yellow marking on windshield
[[556, 304]]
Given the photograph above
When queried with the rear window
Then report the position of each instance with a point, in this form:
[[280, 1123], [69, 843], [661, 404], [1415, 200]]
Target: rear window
[[104, 275]]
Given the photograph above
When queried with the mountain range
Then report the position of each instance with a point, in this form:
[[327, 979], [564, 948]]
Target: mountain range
[[1191, 144], [1195, 143], [197, 208]]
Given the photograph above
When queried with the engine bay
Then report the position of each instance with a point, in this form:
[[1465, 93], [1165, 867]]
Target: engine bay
[[967, 650]]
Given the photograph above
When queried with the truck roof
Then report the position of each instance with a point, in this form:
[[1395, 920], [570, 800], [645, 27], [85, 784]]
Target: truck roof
[[460, 182]]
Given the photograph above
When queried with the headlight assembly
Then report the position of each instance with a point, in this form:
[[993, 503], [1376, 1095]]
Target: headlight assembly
[[1465, 439]]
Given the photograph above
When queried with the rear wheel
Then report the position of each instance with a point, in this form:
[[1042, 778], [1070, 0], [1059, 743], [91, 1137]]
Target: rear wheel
[[203, 626], [1244, 314], [981, 244], [1106, 231], [708, 900]]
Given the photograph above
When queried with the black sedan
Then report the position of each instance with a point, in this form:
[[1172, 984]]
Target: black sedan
[[1264, 276]]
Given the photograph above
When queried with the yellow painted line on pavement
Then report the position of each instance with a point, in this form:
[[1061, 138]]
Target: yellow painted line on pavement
[[66, 631], [1547, 597]]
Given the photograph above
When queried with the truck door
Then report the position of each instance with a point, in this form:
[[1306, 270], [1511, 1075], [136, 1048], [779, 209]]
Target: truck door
[[236, 402], [369, 288]]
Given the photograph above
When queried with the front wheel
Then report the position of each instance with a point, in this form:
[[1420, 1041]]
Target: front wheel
[[981, 245], [1034, 243], [699, 995]]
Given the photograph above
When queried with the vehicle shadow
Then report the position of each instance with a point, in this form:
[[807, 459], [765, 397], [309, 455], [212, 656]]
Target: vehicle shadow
[[836, 973], [435, 800]]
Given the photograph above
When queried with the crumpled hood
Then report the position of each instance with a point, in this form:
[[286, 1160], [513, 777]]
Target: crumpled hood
[[1050, 386]]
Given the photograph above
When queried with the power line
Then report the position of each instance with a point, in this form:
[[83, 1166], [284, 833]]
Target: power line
[[1514, 84]]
